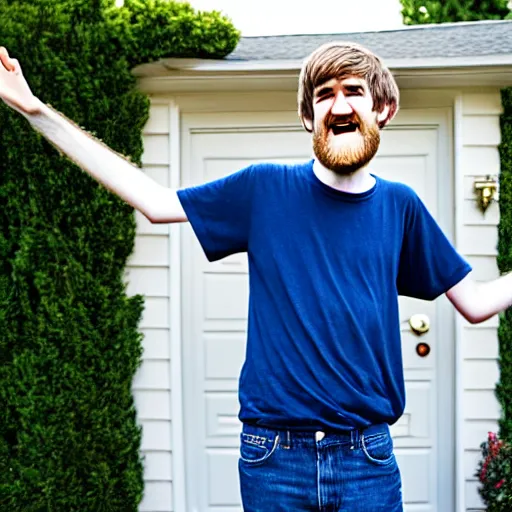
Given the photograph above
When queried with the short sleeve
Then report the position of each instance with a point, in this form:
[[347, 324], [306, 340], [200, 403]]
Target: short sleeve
[[219, 212], [429, 264]]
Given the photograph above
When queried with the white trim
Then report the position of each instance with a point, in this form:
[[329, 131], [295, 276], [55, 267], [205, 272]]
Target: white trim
[[178, 439], [157, 81], [459, 389], [167, 67], [276, 101]]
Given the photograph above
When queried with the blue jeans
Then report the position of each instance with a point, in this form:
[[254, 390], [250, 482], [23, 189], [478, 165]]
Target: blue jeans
[[323, 472]]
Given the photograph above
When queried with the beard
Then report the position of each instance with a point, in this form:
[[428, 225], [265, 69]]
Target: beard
[[347, 158]]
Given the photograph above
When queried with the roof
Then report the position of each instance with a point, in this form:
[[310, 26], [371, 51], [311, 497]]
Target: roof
[[422, 41], [476, 54]]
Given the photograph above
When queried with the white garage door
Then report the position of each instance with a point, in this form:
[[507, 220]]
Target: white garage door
[[415, 151]]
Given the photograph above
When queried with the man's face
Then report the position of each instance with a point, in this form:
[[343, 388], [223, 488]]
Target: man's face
[[346, 134]]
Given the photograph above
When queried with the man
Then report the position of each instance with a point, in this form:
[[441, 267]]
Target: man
[[330, 247]]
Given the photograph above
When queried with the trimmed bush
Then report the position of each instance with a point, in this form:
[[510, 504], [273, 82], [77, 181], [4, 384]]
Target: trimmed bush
[[70, 345], [173, 29]]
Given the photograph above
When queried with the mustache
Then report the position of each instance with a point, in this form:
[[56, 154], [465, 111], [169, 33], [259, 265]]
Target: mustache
[[352, 118]]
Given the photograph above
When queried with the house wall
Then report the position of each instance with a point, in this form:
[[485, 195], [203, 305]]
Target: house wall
[[148, 273], [476, 139], [477, 240]]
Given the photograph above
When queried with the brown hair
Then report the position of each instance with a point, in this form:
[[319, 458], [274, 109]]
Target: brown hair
[[341, 59]]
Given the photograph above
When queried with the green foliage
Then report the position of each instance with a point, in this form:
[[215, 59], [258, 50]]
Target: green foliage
[[70, 345], [495, 474], [504, 388], [417, 12], [158, 28]]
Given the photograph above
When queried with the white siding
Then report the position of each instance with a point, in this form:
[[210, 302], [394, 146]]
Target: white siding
[[480, 134], [148, 274]]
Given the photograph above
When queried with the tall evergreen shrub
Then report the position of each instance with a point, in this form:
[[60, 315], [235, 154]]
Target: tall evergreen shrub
[[504, 388], [69, 343]]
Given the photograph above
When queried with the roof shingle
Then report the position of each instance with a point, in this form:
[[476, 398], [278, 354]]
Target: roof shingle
[[423, 41]]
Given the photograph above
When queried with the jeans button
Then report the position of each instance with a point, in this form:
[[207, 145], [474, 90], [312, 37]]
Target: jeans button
[[319, 436]]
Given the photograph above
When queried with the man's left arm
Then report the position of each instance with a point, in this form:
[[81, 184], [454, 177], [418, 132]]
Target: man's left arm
[[477, 301]]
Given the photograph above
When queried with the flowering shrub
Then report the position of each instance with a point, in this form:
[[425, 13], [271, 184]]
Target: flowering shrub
[[495, 474]]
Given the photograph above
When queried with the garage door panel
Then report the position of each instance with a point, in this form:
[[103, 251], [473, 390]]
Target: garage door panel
[[416, 428], [222, 467], [216, 346], [414, 463], [223, 426], [225, 296]]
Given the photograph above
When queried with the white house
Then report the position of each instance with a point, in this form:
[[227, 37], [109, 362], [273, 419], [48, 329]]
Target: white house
[[210, 118]]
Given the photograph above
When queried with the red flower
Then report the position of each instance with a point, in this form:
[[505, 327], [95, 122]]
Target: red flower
[[500, 483]]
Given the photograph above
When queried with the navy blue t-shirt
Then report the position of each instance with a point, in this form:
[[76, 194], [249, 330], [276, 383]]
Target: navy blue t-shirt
[[325, 271]]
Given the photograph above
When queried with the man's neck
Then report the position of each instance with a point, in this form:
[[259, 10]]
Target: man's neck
[[356, 183]]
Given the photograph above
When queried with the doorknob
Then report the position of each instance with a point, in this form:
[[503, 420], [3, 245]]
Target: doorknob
[[420, 324]]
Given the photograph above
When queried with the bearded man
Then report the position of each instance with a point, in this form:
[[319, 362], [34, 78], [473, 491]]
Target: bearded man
[[330, 246]]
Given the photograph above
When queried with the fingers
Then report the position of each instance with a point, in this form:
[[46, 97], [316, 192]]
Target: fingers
[[16, 67], [5, 60]]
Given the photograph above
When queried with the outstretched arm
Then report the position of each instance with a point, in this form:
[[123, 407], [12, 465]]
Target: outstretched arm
[[159, 204], [479, 301]]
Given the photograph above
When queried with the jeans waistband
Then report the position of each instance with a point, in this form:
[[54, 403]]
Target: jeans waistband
[[287, 438]]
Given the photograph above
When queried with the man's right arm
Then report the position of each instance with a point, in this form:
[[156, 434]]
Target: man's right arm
[[159, 204]]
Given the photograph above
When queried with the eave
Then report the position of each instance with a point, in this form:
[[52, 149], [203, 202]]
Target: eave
[[201, 75]]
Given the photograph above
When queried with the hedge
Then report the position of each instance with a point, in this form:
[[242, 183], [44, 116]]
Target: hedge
[[70, 343], [504, 387]]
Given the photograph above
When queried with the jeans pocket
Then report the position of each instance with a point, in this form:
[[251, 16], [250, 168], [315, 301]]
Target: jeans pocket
[[378, 449], [256, 450]]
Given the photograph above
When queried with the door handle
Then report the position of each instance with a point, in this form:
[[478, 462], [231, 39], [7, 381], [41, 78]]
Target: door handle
[[420, 324]]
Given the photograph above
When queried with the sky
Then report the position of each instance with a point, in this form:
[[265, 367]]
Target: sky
[[279, 17]]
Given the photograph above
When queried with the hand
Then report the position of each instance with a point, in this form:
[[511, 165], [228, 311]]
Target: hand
[[14, 89]]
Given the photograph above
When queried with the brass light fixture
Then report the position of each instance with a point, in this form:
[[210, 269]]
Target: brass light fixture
[[486, 192]]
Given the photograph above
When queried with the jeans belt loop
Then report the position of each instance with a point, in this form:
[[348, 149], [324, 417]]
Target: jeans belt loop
[[288, 442]]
